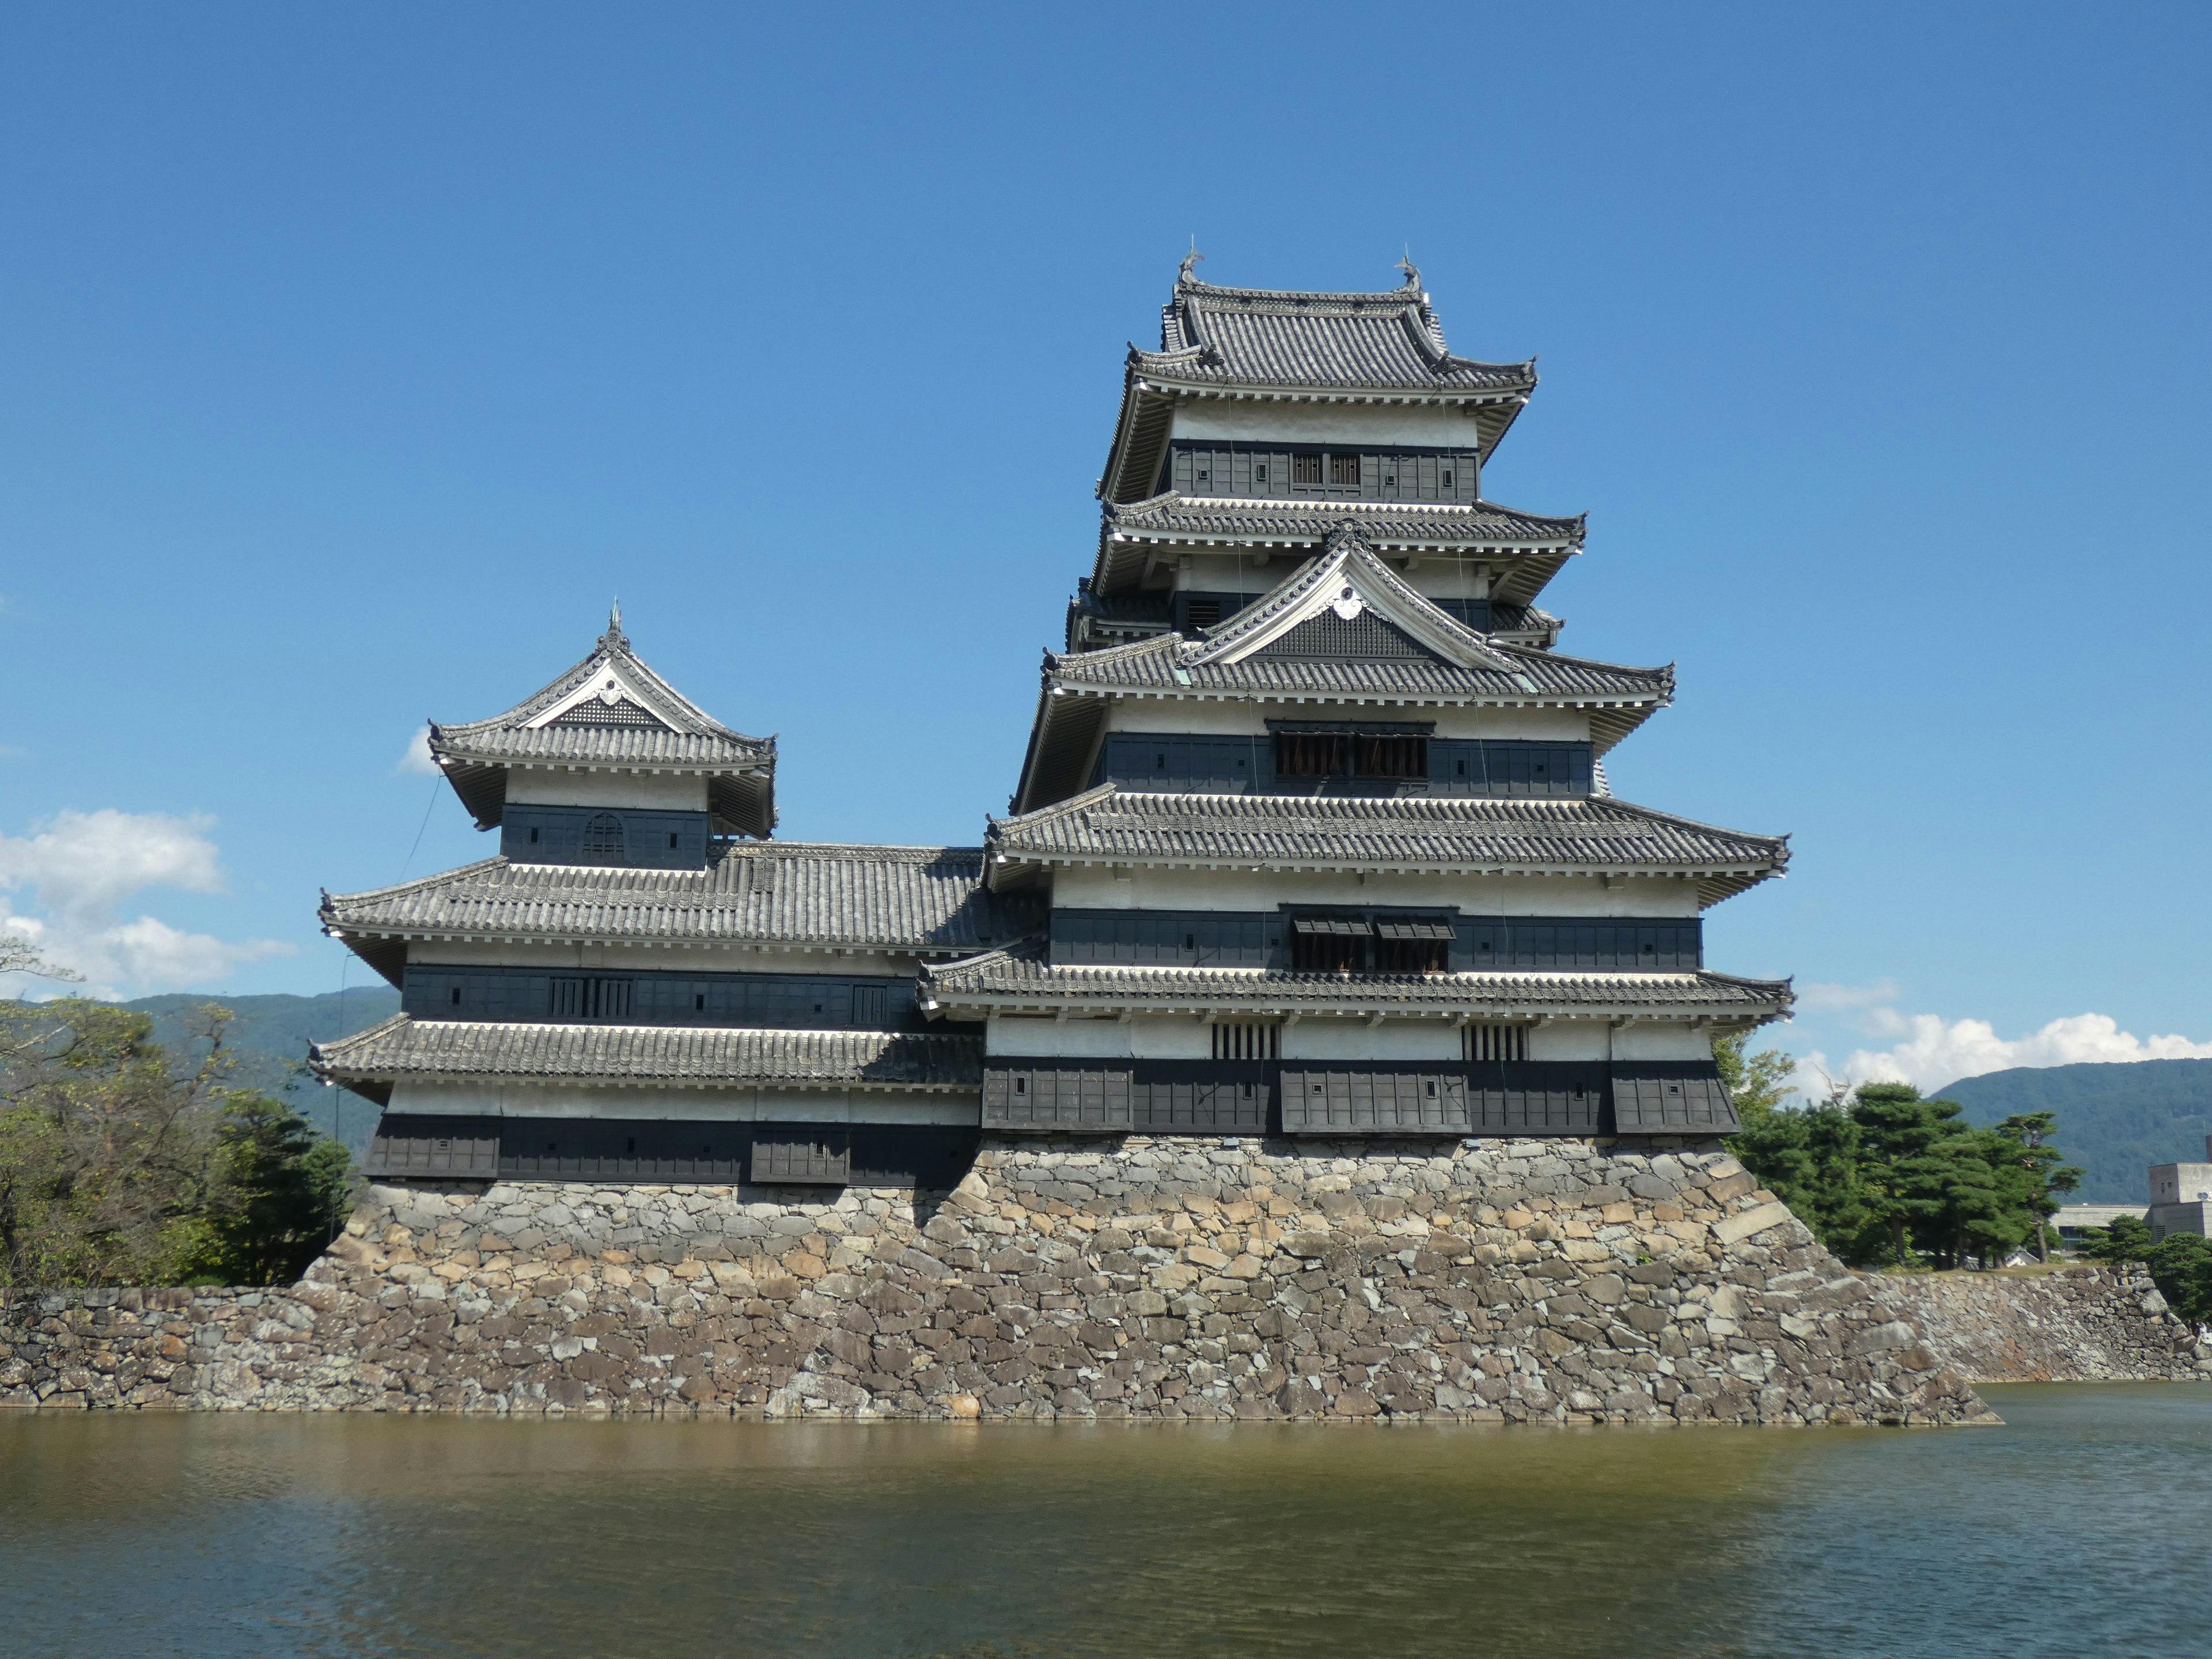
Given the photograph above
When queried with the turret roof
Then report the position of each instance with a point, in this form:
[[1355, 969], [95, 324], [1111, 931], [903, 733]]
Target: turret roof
[[924, 900], [668, 1056], [1248, 337], [1020, 976], [610, 712], [1453, 834], [1528, 548]]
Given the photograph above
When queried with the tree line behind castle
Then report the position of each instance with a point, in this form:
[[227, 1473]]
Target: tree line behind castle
[[1888, 1179]]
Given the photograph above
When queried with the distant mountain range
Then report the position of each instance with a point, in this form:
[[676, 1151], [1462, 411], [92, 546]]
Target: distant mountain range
[[270, 1037], [2115, 1121]]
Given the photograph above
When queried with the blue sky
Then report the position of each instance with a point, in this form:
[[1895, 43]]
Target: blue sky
[[351, 360]]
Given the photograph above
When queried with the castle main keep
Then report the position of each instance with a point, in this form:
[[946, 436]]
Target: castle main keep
[[1317, 1034]]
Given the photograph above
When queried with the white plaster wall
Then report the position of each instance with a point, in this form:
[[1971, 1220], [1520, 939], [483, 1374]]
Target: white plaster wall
[[1570, 1039], [1355, 1039], [1671, 1039], [627, 958], [1431, 426], [549, 786], [1087, 1039], [695, 1105], [1180, 717], [1091, 888]]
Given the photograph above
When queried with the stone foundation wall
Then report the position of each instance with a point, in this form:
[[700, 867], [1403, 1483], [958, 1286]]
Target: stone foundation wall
[[1507, 1281], [2078, 1325]]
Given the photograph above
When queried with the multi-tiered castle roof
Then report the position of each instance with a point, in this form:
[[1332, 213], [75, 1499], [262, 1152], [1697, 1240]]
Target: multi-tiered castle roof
[[1312, 837]]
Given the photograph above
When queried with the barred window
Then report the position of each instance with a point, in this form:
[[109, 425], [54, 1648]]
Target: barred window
[[1305, 468], [1250, 1041], [1497, 1043], [1344, 469], [602, 839]]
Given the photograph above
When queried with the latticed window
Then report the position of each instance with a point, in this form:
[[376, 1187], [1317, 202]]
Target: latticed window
[[1305, 468], [1390, 757], [1344, 469], [1253, 1039], [1497, 1043], [1310, 754], [602, 839]]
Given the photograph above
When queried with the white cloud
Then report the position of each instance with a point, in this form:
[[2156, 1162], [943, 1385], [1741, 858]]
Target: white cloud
[[1930, 1051], [418, 758], [81, 866]]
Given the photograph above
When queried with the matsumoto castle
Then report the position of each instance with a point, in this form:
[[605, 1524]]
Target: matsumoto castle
[[1312, 841]]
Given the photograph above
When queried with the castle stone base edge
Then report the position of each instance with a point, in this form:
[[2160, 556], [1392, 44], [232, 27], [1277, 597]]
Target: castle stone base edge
[[1512, 1281]]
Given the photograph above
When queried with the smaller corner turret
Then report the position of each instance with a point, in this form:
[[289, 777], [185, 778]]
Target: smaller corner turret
[[609, 764]]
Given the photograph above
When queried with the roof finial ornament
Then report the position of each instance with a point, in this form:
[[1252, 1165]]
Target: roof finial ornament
[[1190, 259], [1412, 271], [614, 639]]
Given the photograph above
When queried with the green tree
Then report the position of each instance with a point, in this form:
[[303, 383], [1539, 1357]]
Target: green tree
[[2037, 1176], [1808, 1158], [2128, 1239], [116, 1168], [1908, 1183], [281, 1196], [2181, 1267]]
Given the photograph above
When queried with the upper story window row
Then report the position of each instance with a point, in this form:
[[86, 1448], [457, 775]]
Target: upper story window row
[[1218, 466], [630, 838], [1300, 760], [589, 996], [1337, 939]]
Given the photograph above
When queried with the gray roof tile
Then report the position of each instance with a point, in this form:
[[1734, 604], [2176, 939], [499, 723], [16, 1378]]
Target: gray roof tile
[[657, 728], [926, 899], [1389, 342], [1457, 834], [1177, 517], [1019, 976], [403, 1046]]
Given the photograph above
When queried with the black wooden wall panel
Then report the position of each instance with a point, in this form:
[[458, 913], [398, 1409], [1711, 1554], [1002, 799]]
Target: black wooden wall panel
[[810, 1157], [455, 1148], [651, 839], [1241, 938], [1373, 1100], [786, 1001], [1223, 466], [1194, 764], [1523, 942], [1219, 939], [677, 1151], [1537, 1097], [1056, 1098], [1676, 1097]]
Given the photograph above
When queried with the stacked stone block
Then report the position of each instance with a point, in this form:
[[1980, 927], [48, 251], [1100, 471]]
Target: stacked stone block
[[1524, 1281]]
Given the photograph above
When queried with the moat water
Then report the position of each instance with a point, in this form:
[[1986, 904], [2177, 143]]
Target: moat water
[[2082, 1526]]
